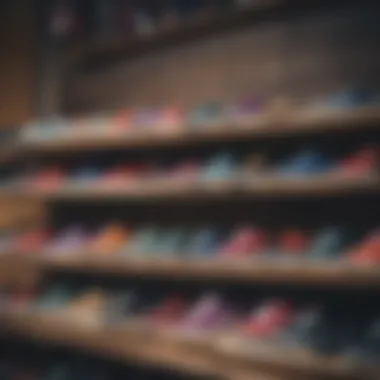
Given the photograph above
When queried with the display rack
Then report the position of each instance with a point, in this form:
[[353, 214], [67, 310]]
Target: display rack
[[222, 356]]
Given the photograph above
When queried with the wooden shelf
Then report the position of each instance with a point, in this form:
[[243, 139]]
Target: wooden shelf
[[272, 126], [339, 274], [218, 357], [292, 357], [95, 53], [323, 185], [115, 342]]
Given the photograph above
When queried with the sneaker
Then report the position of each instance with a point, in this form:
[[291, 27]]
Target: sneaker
[[51, 178], [170, 311], [368, 252], [245, 241], [329, 243], [109, 240], [172, 241], [144, 242], [292, 243], [245, 112], [363, 162], [72, 239], [55, 297], [206, 115], [269, 319], [306, 162], [221, 166], [319, 329], [205, 243], [84, 176], [208, 313], [349, 98], [122, 175]]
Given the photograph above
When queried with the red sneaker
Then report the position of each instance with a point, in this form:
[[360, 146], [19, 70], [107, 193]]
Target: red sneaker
[[293, 242], [122, 175], [269, 319], [244, 242], [368, 251], [171, 118], [49, 179], [123, 120], [186, 170], [364, 161], [170, 311]]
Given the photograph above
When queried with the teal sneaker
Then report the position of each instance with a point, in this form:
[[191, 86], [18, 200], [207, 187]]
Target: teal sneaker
[[221, 166]]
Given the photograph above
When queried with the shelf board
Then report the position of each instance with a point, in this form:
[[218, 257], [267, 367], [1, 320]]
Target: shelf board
[[342, 274], [264, 186], [272, 126], [292, 357], [117, 343], [143, 345], [97, 52]]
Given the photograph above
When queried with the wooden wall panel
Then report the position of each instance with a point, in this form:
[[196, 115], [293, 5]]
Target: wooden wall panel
[[17, 50], [18, 211], [299, 55]]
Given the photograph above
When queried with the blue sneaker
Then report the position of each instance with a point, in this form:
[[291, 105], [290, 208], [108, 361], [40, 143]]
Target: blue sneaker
[[144, 242], [330, 243], [56, 297], [306, 162], [209, 114], [172, 242], [350, 98], [205, 243], [85, 175]]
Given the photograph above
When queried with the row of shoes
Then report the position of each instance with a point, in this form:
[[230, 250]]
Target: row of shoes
[[329, 327], [222, 166], [241, 242], [171, 119]]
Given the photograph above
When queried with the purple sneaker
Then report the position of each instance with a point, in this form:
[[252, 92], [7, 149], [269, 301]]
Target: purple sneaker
[[246, 111], [70, 240], [209, 312]]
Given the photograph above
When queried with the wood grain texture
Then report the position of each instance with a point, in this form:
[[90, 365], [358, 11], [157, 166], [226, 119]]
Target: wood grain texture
[[339, 273], [220, 361], [17, 64], [248, 188], [299, 55], [291, 123]]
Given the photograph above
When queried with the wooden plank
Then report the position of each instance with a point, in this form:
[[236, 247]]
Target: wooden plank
[[337, 273], [274, 126], [258, 187], [223, 361]]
